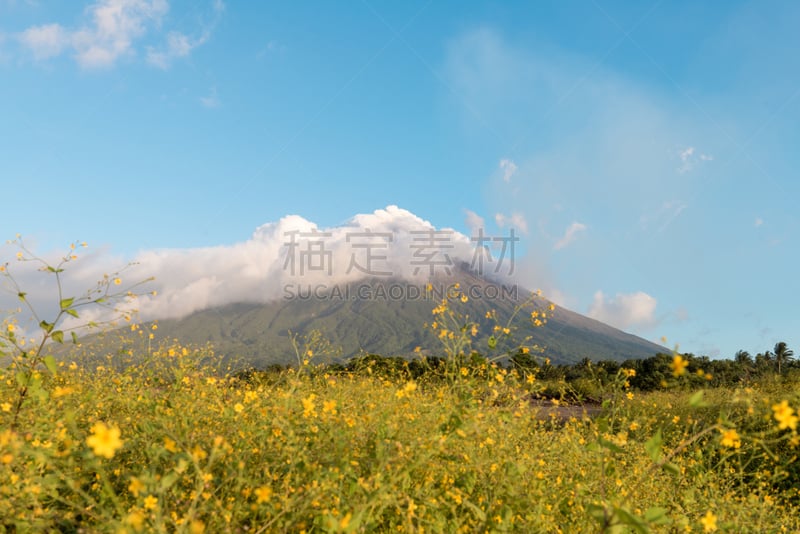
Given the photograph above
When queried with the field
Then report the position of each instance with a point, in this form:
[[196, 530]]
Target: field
[[170, 444], [162, 437]]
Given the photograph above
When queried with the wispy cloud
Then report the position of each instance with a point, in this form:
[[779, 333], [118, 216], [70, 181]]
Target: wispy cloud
[[509, 168], [516, 220], [112, 31], [570, 235], [45, 41], [624, 310], [211, 100], [689, 158], [474, 222], [179, 45], [758, 222], [271, 47]]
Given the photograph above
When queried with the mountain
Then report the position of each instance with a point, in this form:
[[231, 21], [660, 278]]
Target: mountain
[[387, 317]]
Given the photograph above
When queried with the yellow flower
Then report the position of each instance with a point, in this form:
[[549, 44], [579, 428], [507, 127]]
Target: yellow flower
[[197, 527], [329, 406], [135, 519], [238, 407], [309, 409], [464, 371], [170, 445], [104, 440], [679, 365], [730, 438], [10, 328], [136, 486], [263, 494], [709, 522], [629, 395], [117, 281], [784, 414], [6, 406], [150, 502]]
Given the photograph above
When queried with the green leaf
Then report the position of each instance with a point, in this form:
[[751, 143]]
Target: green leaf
[[74, 338], [169, 480], [696, 400], [598, 512], [66, 303], [653, 446], [479, 514], [656, 515], [47, 327], [22, 379], [71, 312], [629, 519], [21, 296], [54, 270], [58, 336], [40, 393], [50, 363], [613, 447], [672, 468], [492, 342]]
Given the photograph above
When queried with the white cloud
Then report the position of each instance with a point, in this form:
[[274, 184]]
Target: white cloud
[[474, 222], [180, 45], [112, 31], [516, 220], [258, 269], [117, 24], [689, 159], [45, 41], [509, 168], [759, 222], [569, 235], [624, 310]]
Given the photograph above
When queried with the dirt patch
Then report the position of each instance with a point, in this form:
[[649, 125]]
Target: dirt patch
[[547, 410]]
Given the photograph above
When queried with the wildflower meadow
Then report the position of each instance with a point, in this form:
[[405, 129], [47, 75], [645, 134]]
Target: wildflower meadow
[[164, 437]]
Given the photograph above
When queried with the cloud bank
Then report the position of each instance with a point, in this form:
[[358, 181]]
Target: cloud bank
[[390, 242]]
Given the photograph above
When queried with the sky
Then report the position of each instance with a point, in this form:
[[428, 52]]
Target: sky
[[644, 153]]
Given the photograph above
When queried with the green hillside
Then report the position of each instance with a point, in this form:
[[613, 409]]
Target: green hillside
[[259, 333]]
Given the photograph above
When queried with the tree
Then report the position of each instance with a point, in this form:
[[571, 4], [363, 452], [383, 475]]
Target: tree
[[783, 355], [743, 358]]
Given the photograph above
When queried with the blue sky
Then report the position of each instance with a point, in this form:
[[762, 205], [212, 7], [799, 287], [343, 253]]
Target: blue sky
[[646, 152]]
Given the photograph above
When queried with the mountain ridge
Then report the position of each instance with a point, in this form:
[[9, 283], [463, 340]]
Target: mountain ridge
[[259, 333]]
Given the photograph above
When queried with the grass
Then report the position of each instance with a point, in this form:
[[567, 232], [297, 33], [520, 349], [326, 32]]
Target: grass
[[309, 451]]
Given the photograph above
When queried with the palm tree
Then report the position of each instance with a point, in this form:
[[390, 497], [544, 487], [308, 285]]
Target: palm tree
[[783, 355], [743, 358]]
